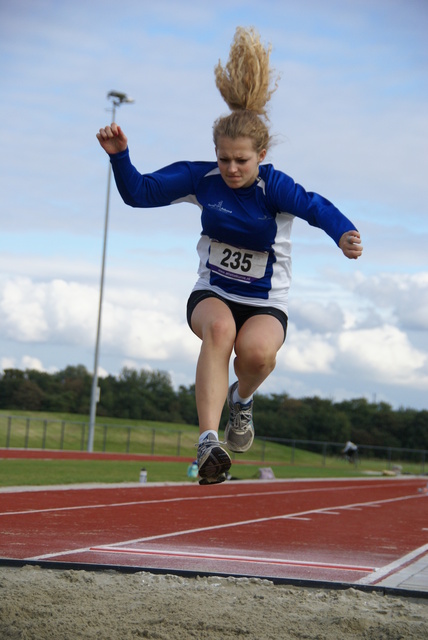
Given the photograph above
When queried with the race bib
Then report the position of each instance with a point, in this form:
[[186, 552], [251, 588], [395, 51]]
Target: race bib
[[238, 264]]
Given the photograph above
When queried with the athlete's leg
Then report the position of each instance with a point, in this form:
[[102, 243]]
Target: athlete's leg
[[256, 347], [213, 323]]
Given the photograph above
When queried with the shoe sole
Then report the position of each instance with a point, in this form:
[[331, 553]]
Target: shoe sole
[[217, 462], [218, 480]]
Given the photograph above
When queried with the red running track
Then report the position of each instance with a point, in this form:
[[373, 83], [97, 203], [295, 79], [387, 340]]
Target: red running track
[[326, 530]]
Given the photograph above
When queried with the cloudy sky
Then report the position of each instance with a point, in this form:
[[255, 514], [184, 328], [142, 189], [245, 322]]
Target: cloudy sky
[[351, 122]]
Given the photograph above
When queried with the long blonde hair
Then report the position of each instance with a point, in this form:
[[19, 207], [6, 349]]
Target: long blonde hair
[[245, 84]]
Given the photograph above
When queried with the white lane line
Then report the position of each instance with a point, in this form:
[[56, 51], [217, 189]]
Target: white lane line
[[233, 558], [167, 500], [59, 554], [183, 499], [330, 513], [394, 567]]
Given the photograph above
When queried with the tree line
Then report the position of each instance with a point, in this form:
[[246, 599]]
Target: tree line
[[149, 395]]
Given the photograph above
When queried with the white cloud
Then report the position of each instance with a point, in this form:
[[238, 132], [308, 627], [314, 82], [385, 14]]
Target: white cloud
[[134, 324], [22, 315], [101, 372], [385, 354], [32, 363], [42, 311], [306, 352], [405, 294], [146, 334], [8, 363], [319, 318], [24, 363]]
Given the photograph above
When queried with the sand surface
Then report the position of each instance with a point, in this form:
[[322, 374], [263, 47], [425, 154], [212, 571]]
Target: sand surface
[[38, 604]]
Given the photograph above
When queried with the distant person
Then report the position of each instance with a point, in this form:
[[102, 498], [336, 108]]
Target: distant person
[[239, 302], [350, 451]]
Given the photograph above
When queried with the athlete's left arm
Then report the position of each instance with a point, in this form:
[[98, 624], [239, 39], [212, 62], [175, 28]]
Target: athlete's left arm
[[319, 212]]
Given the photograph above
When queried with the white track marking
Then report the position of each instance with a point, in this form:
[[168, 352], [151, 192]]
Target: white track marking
[[60, 554], [240, 523], [330, 513], [395, 566], [234, 558], [187, 499]]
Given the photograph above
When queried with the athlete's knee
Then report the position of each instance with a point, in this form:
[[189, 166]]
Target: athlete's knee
[[257, 360], [220, 331]]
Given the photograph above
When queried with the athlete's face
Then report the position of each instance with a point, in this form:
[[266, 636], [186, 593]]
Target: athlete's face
[[238, 162]]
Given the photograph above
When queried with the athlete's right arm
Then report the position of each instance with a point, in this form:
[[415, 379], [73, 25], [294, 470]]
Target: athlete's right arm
[[112, 139], [157, 189]]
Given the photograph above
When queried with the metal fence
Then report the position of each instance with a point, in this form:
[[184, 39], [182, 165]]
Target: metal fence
[[65, 435], [389, 457], [21, 432]]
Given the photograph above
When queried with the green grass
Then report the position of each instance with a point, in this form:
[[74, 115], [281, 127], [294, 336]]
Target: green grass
[[49, 472]]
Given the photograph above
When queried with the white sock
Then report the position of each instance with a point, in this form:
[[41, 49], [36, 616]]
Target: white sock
[[205, 433], [237, 398]]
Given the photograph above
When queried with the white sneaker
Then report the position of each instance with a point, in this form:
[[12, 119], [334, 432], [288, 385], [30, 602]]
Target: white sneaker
[[213, 461]]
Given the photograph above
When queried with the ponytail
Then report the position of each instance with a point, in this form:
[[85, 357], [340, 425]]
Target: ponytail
[[245, 84]]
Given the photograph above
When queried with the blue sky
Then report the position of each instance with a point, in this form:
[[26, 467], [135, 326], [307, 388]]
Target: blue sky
[[351, 121]]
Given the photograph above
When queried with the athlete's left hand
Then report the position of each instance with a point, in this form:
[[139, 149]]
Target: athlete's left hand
[[350, 243]]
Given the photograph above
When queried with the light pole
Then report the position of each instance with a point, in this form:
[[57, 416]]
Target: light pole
[[117, 99]]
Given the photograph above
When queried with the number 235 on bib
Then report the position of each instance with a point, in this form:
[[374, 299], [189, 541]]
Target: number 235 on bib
[[235, 263]]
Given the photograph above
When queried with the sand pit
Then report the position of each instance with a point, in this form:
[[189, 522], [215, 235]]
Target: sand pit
[[39, 604]]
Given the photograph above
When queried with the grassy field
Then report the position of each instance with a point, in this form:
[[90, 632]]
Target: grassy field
[[49, 472], [69, 432]]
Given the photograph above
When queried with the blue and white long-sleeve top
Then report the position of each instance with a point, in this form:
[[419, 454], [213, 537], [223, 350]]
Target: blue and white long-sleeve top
[[244, 248]]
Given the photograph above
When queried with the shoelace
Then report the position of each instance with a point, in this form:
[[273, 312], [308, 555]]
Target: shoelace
[[210, 443], [242, 419]]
